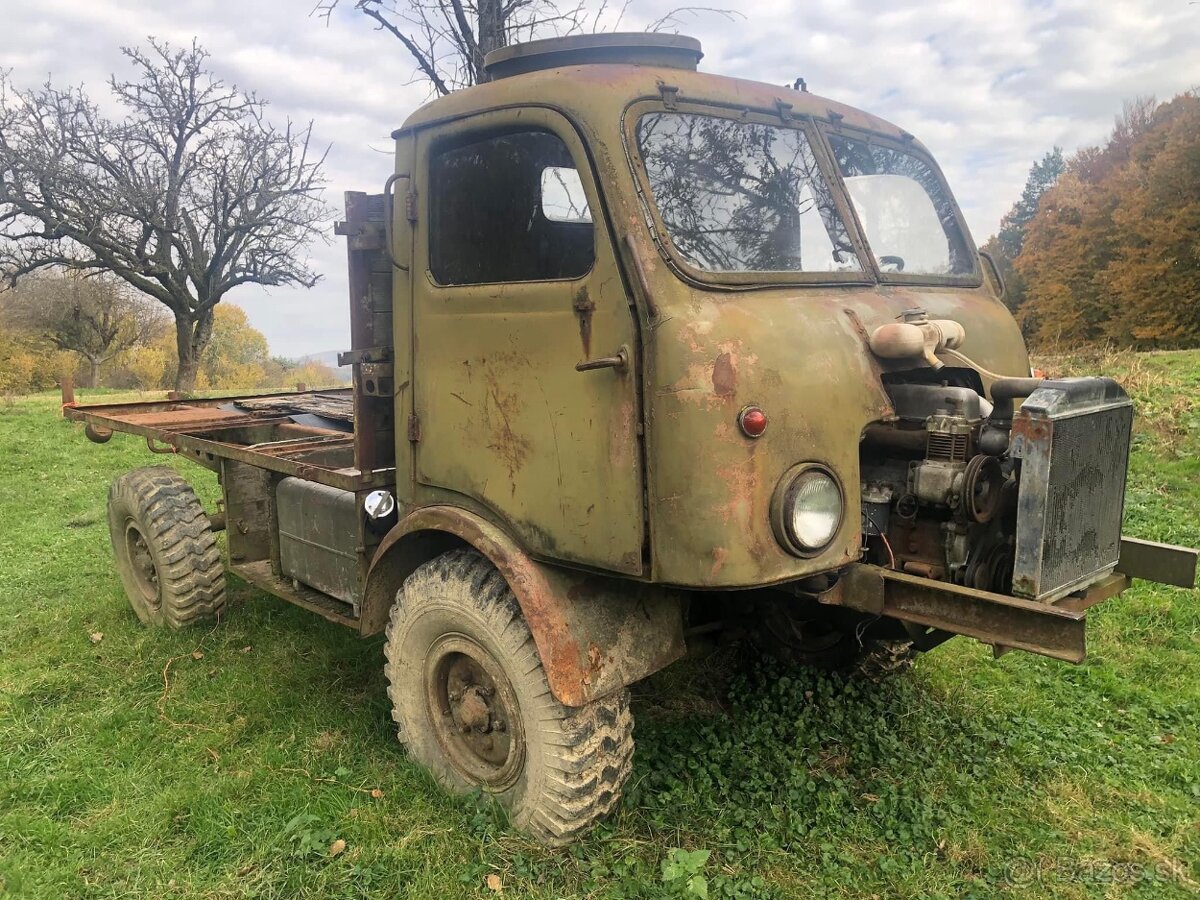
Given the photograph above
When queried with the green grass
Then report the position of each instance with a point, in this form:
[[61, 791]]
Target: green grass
[[230, 775]]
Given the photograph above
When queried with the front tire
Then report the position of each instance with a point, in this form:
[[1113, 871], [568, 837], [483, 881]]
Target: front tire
[[473, 706], [165, 549]]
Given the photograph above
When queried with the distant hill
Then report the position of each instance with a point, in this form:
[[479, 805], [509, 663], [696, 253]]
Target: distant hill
[[330, 358]]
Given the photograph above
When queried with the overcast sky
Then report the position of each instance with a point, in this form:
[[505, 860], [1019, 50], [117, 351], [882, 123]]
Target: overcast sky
[[989, 87]]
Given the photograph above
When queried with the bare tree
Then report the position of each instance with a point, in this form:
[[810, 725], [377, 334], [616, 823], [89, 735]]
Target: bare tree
[[190, 195], [448, 39], [98, 318]]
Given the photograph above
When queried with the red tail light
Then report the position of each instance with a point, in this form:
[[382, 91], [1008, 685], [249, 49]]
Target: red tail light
[[752, 421]]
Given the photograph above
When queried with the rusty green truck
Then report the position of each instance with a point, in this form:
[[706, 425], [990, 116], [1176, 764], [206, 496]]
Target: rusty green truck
[[641, 352]]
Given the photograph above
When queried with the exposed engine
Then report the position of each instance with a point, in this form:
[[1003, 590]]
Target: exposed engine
[[939, 491]]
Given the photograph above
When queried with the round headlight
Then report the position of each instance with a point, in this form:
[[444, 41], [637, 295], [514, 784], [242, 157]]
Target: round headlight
[[812, 510]]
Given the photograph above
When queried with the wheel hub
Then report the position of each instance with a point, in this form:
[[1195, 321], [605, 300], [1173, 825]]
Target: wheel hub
[[474, 712], [145, 574]]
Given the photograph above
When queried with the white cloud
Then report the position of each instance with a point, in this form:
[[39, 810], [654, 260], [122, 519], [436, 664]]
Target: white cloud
[[988, 87]]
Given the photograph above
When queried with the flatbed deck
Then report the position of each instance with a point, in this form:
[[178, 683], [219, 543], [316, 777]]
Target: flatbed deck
[[308, 434]]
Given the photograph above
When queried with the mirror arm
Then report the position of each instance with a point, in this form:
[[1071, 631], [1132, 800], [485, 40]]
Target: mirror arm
[[1001, 288]]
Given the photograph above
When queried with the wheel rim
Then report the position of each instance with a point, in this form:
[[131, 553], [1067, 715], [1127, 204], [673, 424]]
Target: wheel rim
[[474, 712], [141, 564]]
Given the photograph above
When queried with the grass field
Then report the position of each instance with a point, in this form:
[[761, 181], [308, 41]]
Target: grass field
[[225, 763]]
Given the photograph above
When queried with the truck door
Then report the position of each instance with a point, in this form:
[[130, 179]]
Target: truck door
[[515, 285]]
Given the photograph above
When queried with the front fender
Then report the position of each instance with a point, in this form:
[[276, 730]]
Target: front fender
[[595, 634]]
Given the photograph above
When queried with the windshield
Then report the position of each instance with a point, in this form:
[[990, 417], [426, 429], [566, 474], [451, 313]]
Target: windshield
[[737, 196], [906, 214]]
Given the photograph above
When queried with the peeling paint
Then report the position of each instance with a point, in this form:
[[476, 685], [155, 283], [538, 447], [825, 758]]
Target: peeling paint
[[724, 375]]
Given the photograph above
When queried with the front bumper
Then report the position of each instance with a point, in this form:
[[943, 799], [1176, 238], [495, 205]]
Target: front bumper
[[933, 611]]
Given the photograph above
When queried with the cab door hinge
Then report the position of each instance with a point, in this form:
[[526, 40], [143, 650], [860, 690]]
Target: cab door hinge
[[410, 206], [414, 428]]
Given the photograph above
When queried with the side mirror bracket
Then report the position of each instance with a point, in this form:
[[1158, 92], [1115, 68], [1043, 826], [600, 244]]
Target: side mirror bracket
[[1001, 289]]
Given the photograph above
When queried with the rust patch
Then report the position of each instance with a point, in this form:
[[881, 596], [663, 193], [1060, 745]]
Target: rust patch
[[724, 375], [720, 554], [712, 383], [512, 448], [621, 436], [741, 479]]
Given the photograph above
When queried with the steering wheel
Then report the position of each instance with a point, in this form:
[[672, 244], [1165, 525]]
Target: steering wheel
[[897, 261]]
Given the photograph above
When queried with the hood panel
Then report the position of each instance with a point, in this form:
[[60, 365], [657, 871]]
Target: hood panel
[[802, 356]]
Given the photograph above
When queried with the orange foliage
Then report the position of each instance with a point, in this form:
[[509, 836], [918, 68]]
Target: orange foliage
[[1113, 254]]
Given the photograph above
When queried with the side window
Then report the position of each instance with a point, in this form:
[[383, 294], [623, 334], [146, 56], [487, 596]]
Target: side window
[[508, 207]]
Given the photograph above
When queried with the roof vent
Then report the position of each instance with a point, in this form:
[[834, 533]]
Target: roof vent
[[672, 51]]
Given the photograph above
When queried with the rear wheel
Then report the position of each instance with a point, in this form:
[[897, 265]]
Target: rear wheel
[[165, 549], [473, 706]]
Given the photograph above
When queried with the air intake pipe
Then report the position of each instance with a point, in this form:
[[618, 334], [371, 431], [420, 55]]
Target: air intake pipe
[[994, 438], [1004, 392]]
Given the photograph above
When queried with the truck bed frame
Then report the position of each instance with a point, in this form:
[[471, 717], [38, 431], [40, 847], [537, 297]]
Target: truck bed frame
[[308, 435]]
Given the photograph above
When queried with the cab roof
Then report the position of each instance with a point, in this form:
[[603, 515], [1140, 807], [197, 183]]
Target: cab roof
[[594, 92]]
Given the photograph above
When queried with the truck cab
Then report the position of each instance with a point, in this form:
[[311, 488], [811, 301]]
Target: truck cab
[[640, 352]]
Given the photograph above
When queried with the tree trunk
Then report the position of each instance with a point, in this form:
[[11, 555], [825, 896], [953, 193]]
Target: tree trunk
[[491, 33], [191, 338], [93, 372]]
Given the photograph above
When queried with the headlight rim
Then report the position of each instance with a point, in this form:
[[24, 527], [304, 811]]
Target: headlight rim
[[781, 504]]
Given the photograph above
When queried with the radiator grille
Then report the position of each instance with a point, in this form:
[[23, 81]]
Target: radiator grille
[[1084, 499], [1075, 452]]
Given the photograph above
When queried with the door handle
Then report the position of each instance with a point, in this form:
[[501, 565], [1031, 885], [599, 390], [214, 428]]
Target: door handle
[[620, 362]]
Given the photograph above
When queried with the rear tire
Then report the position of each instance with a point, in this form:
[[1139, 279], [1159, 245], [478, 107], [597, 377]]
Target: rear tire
[[473, 706], [165, 549]]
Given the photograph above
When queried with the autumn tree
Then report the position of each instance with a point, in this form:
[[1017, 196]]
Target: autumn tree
[[96, 318], [190, 195], [1154, 275], [1006, 245], [28, 362], [1113, 253], [237, 355]]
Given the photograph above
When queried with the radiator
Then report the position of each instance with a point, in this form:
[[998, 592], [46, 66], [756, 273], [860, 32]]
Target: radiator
[[1072, 439]]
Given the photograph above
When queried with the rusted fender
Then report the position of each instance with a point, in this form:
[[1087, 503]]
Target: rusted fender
[[594, 634]]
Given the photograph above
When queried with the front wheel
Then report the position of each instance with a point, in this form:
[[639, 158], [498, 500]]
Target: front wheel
[[472, 704]]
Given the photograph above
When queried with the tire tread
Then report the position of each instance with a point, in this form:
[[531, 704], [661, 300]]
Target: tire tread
[[191, 573]]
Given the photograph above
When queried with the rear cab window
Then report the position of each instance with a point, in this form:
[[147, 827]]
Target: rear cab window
[[508, 207]]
